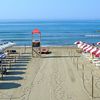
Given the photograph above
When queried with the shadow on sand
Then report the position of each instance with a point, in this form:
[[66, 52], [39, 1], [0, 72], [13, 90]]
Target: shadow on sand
[[17, 68], [15, 73], [9, 85], [19, 65], [12, 78], [59, 56], [25, 62]]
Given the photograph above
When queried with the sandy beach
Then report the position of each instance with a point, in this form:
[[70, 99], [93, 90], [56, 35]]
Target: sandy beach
[[62, 75]]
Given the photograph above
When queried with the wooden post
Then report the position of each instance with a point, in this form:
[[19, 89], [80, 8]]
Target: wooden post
[[1, 71], [68, 53], [40, 44], [25, 49], [10, 64], [32, 45], [77, 63], [83, 77], [92, 87], [83, 73], [83, 67], [73, 60], [15, 58], [74, 54], [19, 54]]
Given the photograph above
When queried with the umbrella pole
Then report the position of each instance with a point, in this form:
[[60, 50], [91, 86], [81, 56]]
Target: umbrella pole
[[32, 45], [40, 44], [1, 70]]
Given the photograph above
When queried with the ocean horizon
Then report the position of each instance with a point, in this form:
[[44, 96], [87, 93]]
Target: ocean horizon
[[54, 33]]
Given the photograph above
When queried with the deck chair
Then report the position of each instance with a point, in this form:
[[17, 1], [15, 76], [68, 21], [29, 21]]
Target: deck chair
[[45, 50]]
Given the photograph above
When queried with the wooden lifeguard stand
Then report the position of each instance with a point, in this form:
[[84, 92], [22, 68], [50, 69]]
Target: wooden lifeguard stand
[[36, 43]]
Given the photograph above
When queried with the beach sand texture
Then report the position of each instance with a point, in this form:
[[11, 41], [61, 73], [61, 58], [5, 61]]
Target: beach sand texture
[[56, 76]]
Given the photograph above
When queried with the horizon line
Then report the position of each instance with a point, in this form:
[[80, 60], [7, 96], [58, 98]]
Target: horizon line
[[49, 19]]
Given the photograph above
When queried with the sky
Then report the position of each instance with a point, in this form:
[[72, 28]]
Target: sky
[[50, 9]]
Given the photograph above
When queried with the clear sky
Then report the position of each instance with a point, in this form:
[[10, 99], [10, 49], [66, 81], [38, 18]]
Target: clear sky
[[50, 9]]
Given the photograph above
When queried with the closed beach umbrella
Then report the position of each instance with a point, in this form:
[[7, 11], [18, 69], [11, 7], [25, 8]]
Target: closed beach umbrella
[[94, 51], [2, 56], [97, 53], [78, 42], [98, 43], [79, 45], [86, 47], [89, 49]]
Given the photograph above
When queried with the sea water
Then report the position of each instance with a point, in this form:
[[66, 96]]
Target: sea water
[[53, 33]]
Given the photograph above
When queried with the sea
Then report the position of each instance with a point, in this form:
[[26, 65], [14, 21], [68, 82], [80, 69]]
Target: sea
[[53, 33]]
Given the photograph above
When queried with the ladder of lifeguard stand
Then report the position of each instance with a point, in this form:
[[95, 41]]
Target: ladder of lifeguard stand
[[36, 52]]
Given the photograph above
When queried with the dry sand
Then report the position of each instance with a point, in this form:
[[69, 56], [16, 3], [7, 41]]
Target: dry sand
[[56, 76]]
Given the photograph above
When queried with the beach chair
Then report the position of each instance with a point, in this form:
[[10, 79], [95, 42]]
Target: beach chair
[[12, 52], [3, 70], [44, 50], [7, 61], [97, 64]]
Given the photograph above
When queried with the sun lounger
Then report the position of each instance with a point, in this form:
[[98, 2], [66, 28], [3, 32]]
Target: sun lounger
[[94, 62], [12, 52], [3, 70], [98, 65], [45, 50], [86, 55]]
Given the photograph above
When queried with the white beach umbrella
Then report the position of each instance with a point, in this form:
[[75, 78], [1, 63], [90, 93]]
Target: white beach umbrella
[[10, 44], [1, 49], [6, 45], [98, 43]]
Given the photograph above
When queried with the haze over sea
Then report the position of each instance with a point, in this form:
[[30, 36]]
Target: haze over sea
[[54, 33]]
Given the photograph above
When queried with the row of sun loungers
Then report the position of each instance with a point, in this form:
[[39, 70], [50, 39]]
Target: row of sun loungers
[[11, 58], [6, 61], [4, 56], [89, 51]]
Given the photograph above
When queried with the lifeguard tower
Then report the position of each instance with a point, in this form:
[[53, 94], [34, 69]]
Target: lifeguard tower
[[36, 42]]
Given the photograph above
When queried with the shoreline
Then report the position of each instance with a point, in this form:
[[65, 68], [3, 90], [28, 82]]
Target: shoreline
[[49, 46]]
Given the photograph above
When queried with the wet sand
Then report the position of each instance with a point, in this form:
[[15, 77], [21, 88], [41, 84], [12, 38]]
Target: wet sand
[[62, 75]]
